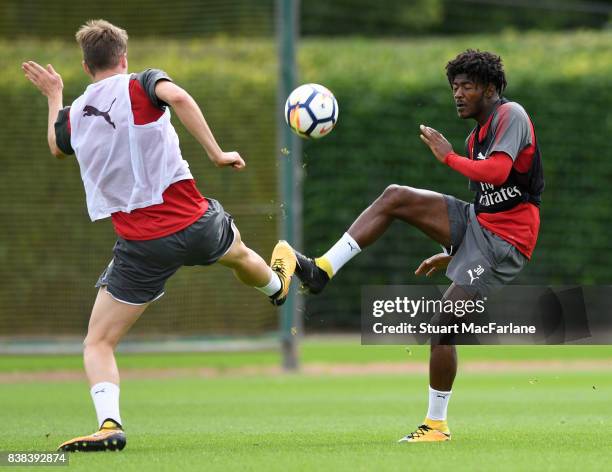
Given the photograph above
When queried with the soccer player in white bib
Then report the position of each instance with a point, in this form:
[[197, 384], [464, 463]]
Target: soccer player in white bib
[[133, 172]]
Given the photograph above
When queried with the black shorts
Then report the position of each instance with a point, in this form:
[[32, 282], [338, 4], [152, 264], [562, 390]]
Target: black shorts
[[482, 261], [139, 269]]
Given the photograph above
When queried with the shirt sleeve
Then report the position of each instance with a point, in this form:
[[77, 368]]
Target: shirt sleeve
[[494, 170], [62, 131], [511, 130], [148, 79]]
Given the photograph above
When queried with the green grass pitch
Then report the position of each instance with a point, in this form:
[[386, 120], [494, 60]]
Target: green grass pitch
[[545, 420]]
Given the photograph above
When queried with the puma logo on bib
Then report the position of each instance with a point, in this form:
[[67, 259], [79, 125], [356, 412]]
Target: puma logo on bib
[[90, 110]]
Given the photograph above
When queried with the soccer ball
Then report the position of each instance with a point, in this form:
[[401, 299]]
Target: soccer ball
[[311, 111]]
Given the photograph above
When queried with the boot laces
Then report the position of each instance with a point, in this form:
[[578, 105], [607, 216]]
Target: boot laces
[[420, 431], [278, 266]]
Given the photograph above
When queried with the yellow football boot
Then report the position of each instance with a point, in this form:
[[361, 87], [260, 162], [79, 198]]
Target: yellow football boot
[[429, 431], [110, 437], [283, 263]]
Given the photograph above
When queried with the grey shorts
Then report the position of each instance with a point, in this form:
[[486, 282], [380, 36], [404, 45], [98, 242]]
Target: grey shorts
[[482, 261], [139, 269]]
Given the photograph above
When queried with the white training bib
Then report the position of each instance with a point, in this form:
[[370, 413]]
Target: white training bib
[[124, 166]]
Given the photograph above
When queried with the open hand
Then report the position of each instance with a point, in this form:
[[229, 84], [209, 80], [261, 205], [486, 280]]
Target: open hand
[[230, 159], [436, 142], [432, 264], [44, 79]]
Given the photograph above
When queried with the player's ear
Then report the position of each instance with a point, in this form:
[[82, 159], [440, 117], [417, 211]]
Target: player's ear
[[490, 91], [123, 60]]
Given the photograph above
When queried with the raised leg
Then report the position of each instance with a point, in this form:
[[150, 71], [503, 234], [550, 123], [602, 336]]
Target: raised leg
[[273, 280], [423, 209], [248, 266]]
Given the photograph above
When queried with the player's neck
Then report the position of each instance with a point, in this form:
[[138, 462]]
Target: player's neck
[[105, 74], [484, 115]]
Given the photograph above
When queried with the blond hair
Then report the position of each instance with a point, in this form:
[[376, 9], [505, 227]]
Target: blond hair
[[102, 43]]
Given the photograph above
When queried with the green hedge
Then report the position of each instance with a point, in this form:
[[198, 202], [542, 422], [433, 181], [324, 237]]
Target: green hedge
[[255, 18], [50, 254]]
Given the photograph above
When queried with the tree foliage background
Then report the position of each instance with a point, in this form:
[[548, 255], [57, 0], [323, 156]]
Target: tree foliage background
[[384, 61]]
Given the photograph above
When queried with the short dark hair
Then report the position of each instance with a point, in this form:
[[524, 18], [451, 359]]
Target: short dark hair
[[480, 66], [102, 43]]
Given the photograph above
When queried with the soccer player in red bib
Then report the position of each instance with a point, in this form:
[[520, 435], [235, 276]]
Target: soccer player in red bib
[[133, 172], [486, 243]]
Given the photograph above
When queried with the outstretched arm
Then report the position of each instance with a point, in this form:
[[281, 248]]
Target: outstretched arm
[[192, 118], [51, 86]]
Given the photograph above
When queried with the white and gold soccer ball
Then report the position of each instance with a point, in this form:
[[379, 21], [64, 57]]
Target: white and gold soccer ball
[[311, 111]]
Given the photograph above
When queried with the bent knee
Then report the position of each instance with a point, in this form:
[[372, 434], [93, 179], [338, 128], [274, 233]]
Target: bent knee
[[396, 196], [92, 343]]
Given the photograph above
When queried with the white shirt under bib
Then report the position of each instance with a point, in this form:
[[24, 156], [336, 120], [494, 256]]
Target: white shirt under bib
[[124, 166]]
